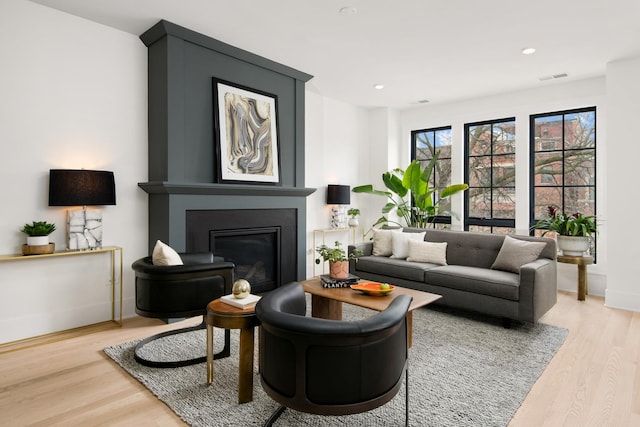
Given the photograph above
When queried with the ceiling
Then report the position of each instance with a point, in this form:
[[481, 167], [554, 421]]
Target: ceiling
[[419, 50]]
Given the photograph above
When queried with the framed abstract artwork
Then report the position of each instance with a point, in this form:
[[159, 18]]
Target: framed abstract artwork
[[247, 132]]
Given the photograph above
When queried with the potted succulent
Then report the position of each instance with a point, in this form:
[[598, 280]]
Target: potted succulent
[[573, 231], [338, 259], [353, 213], [38, 238]]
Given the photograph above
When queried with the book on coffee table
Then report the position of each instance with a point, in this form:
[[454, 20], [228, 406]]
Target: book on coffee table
[[244, 303], [328, 282]]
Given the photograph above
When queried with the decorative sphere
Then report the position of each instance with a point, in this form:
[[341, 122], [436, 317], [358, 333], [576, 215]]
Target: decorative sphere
[[241, 289]]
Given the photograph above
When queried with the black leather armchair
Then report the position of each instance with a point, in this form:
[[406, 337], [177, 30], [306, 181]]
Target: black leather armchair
[[330, 367], [180, 291]]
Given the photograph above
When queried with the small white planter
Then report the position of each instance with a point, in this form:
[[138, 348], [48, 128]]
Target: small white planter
[[37, 240], [573, 245], [353, 222]]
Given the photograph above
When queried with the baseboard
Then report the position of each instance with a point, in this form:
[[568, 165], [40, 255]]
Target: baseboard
[[57, 336], [623, 300]]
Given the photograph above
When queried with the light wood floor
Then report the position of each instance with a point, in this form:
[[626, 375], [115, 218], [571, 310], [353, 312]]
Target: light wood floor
[[592, 381]]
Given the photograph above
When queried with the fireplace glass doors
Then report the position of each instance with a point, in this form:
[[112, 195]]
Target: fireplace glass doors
[[254, 251]]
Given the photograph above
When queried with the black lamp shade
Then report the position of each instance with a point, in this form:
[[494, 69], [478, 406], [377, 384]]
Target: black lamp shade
[[81, 187], [338, 195]]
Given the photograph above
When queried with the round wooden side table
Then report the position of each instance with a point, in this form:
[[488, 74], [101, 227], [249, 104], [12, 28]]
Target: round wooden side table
[[225, 316], [581, 262]]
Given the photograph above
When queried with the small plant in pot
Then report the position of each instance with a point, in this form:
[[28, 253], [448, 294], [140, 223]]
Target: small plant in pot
[[353, 213], [573, 231], [338, 259], [38, 238]]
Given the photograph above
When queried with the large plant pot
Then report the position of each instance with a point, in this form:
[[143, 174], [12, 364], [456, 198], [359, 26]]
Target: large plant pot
[[573, 245], [339, 269]]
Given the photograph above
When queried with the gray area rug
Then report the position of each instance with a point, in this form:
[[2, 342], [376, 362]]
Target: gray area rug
[[464, 370]]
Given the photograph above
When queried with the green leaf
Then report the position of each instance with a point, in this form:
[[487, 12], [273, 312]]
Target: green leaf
[[388, 207], [393, 183], [453, 189]]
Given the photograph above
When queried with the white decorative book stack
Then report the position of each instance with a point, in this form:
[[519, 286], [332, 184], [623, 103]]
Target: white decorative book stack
[[243, 303]]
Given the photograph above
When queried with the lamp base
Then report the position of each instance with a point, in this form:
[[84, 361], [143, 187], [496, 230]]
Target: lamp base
[[338, 216], [84, 229]]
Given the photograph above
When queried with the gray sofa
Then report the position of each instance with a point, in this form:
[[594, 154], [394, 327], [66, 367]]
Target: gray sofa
[[468, 281]]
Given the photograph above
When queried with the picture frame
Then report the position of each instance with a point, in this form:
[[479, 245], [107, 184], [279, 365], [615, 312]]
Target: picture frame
[[246, 127]]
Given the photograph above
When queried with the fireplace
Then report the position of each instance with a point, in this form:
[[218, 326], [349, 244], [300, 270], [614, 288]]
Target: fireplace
[[260, 242], [190, 208]]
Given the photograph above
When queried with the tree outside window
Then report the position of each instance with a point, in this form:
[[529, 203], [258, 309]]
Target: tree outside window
[[563, 163], [424, 144], [490, 172]]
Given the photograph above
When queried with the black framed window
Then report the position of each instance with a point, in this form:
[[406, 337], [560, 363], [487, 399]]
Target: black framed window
[[424, 144], [490, 171], [563, 163]]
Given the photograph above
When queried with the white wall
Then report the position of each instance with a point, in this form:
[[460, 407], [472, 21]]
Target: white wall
[[336, 140], [74, 95], [623, 92]]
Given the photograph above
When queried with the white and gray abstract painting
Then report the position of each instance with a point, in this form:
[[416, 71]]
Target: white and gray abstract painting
[[247, 136]]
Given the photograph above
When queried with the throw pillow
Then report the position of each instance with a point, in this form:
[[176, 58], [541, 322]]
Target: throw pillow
[[514, 253], [164, 254], [400, 243], [382, 242], [431, 252]]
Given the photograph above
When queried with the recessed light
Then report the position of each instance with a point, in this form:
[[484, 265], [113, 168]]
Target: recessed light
[[528, 50], [378, 86], [348, 10]]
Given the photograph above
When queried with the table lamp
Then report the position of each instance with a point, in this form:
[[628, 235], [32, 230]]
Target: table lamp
[[81, 187], [339, 196]]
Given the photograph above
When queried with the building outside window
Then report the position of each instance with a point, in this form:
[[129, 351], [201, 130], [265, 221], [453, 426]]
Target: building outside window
[[424, 144], [490, 155], [563, 163]]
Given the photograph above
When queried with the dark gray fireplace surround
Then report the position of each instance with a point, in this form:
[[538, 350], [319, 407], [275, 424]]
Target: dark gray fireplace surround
[[183, 182]]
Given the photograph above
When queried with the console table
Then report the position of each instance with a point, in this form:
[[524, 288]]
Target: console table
[[581, 262], [116, 276]]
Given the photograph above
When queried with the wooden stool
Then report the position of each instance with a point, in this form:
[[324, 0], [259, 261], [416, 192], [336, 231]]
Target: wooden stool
[[225, 316]]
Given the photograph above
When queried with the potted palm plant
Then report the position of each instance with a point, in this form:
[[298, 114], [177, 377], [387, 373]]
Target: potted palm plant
[[409, 193], [338, 259], [574, 231]]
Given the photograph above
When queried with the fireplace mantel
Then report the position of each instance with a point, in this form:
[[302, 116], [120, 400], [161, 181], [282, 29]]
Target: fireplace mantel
[[162, 187]]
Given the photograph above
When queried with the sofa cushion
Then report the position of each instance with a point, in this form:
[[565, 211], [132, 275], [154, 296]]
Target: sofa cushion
[[495, 283], [393, 267], [515, 253], [400, 243], [382, 242], [431, 252]]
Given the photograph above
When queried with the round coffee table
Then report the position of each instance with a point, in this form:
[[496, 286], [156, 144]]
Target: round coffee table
[[225, 316]]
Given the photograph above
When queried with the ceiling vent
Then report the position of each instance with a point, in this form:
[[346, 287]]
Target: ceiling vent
[[555, 76]]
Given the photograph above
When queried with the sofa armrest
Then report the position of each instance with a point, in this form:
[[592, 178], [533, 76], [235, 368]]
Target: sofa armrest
[[538, 288], [365, 247]]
